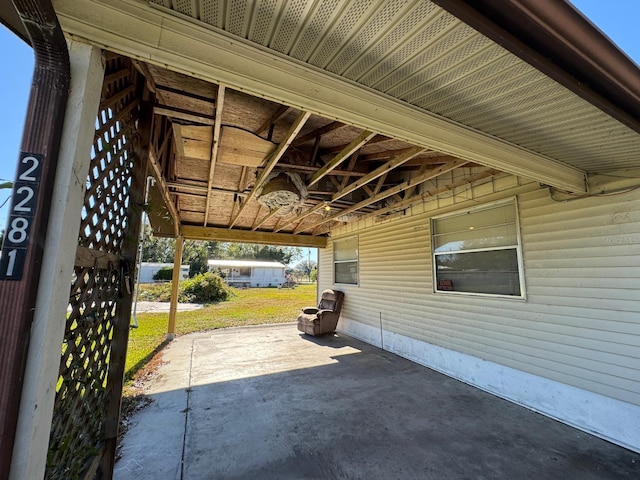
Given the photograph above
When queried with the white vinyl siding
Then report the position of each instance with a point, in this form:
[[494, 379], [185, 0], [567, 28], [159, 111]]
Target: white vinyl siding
[[580, 323]]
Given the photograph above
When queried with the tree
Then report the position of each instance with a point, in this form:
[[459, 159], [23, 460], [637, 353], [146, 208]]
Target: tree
[[306, 268], [157, 249], [259, 252], [196, 254]]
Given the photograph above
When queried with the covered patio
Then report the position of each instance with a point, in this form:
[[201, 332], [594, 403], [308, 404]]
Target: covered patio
[[267, 402], [356, 127]]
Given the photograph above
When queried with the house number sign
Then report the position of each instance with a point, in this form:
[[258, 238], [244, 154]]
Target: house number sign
[[23, 205]]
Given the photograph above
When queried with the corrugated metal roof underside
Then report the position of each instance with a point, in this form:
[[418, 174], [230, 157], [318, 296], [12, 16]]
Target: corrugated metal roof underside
[[418, 53]]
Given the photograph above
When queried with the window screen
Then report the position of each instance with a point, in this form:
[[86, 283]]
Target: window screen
[[478, 251], [345, 261]]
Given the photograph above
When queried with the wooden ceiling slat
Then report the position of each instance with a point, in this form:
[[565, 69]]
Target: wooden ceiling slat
[[273, 160]]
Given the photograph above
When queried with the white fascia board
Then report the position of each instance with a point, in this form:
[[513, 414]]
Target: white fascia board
[[167, 39]]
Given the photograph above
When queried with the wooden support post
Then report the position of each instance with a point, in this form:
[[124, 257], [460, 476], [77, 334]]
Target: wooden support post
[[175, 281], [128, 257], [47, 330]]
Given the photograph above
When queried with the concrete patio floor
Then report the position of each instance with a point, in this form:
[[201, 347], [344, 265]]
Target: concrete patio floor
[[269, 403]]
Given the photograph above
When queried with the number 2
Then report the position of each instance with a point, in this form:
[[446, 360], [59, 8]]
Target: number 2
[[21, 206], [26, 175]]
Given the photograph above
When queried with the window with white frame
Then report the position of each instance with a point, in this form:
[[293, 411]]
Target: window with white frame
[[345, 261], [478, 251]]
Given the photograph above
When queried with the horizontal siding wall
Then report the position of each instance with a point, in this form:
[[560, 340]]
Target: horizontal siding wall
[[580, 323]]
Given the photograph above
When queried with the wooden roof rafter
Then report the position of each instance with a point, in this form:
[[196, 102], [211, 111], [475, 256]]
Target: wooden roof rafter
[[272, 161], [214, 149], [355, 144], [416, 180], [482, 174], [406, 155]]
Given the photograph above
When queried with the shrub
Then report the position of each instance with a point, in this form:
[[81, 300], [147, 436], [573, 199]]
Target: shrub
[[155, 292], [165, 273], [203, 288]]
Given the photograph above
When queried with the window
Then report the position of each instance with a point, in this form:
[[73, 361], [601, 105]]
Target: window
[[345, 261], [478, 251]]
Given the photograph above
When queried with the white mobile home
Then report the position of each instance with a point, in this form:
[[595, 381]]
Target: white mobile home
[[249, 273], [508, 286], [149, 269]]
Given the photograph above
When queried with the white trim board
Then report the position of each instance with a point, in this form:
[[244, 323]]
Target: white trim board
[[604, 417]]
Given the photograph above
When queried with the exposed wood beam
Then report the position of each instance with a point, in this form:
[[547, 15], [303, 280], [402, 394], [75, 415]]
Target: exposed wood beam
[[202, 189], [409, 192], [319, 132], [177, 139], [184, 93], [247, 236], [214, 148], [357, 142], [310, 168], [91, 258], [381, 171], [146, 73], [351, 166], [255, 220], [418, 179], [280, 112], [485, 173], [266, 218], [117, 75], [182, 114], [375, 139], [385, 154], [114, 100], [380, 183], [273, 160], [164, 191]]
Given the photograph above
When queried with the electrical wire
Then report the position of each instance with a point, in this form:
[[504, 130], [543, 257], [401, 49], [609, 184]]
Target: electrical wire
[[611, 193]]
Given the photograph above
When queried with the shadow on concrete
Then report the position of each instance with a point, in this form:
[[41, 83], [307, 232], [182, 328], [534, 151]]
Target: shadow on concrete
[[327, 340], [266, 403]]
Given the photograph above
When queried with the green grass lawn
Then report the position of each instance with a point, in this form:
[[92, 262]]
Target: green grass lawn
[[252, 306]]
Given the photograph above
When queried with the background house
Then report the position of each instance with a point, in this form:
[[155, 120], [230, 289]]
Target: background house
[[149, 269], [249, 273]]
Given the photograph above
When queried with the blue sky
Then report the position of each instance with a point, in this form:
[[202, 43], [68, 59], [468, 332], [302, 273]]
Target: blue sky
[[617, 18]]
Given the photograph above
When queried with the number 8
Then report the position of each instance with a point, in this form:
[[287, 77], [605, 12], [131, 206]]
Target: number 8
[[18, 232]]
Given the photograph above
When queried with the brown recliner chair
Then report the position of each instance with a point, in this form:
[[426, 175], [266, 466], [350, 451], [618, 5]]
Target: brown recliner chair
[[324, 318]]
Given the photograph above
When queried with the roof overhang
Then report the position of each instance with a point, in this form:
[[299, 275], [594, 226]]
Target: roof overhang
[[150, 34], [370, 107], [560, 41], [10, 18]]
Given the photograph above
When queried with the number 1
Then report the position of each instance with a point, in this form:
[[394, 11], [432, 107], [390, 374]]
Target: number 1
[[12, 262]]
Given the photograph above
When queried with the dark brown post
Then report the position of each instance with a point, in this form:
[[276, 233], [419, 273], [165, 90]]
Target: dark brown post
[[27, 224]]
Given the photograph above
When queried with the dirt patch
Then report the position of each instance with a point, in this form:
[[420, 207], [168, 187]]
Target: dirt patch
[[135, 399]]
